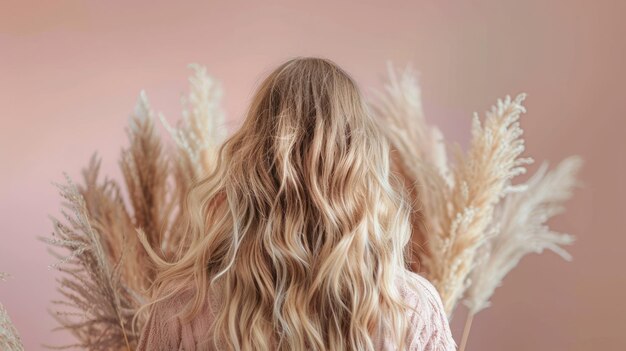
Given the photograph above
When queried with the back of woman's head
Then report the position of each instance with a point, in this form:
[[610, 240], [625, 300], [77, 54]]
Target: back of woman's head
[[297, 231]]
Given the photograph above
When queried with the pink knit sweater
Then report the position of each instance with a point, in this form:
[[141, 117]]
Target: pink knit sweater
[[430, 327]]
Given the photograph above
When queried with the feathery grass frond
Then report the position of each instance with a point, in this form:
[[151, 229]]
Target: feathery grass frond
[[102, 306], [145, 171], [201, 129], [9, 338], [400, 105], [481, 178], [106, 272], [418, 153], [454, 201], [520, 228], [111, 219], [197, 137]]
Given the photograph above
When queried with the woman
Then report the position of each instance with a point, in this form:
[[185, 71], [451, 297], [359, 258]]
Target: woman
[[296, 241]]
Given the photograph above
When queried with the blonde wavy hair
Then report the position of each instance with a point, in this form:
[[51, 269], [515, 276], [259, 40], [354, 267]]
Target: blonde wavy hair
[[298, 231]]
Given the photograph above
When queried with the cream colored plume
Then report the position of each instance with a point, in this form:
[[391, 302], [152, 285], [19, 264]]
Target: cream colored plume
[[400, 106], [481, 178], [520, 228], [418, 155], [202, 128], [455, 200], [197, 137]]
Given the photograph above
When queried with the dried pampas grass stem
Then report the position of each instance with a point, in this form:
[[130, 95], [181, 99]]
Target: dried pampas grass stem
[[9, 338], [103, 305], [480, 179], [471, 224], [521, 228], [107, 274]]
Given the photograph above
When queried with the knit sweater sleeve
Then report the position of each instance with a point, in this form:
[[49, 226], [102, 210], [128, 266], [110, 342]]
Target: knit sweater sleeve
[[429, 321], [162, 330], [166, 330]]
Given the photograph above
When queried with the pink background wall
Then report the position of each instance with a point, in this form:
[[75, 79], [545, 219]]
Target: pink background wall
[[71, 71]]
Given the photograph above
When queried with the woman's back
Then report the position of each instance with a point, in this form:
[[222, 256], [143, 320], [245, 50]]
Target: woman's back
[[428, 324], [300, 231]]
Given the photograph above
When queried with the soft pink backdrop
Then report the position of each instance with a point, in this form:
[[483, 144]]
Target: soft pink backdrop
[[70, 72]]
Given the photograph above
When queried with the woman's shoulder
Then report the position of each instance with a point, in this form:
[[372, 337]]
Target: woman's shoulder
[[420, 289], [166, 329], [428, 317]]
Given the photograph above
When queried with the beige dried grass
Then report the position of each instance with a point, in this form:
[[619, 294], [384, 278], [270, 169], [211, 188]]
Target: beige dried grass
[[520, 228], [455, 200], [196, 136], [97, 306], [471, 224], [463, 209], [9, 338], [106, 272]]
